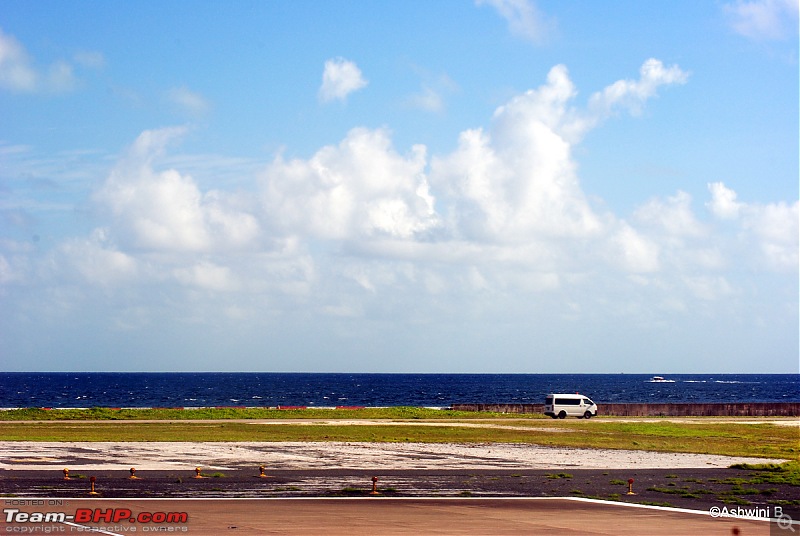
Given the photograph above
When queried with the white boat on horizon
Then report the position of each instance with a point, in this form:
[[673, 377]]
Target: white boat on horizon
[[660, 379]]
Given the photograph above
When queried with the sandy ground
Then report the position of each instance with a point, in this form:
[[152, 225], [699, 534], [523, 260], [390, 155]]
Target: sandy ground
[[31, 456]]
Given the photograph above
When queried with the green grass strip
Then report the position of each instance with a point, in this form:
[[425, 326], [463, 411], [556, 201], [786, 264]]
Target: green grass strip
[[400, 412], [732, 439]]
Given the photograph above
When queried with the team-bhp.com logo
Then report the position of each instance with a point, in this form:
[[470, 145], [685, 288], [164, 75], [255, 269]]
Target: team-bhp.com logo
[[113, 516]]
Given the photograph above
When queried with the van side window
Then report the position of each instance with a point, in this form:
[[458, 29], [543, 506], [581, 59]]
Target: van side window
[[587, 402], [568, 401]]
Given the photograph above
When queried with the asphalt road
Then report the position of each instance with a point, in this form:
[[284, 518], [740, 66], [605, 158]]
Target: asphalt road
[[374, 515]]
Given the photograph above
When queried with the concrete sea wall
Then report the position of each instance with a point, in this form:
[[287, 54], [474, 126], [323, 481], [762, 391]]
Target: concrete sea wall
[[749, 409]]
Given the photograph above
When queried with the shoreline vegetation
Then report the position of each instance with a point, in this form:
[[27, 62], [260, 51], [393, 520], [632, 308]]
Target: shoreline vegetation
[[733, 437]]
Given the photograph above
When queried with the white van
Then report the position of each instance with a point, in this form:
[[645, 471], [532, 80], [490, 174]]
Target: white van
[[560, 406]]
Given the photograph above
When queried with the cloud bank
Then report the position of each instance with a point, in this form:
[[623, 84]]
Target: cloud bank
[[500, 227], [508, 193]]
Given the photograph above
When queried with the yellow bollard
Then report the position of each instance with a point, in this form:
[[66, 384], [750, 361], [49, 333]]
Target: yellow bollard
[[133, 474], [66, 474], [374, 486], [92, 481], [630, 487], [261, 469], [197, 473]]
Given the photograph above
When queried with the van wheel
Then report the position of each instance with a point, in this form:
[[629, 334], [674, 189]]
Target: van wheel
[[587, 415], [562, 415]]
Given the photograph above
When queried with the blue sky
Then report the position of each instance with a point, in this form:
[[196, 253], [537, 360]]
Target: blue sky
[[451, 186]]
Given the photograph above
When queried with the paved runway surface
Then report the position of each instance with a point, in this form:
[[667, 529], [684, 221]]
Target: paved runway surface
[[376, 515]]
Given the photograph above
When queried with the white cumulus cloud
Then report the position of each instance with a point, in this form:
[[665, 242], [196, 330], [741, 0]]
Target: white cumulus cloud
[[207, 275], [188, 100], [523, 17], [360, 188], [775, 229], [763, 19], [16, 71], [519, 180], [340, 78], [427, 99], [19, 73], [98, 261], [634, 252], [674, 217], [769, 232], [632, 94], [165, 210], [723, 202]]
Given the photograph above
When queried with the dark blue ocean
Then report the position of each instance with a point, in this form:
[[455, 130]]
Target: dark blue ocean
[[91, 389]]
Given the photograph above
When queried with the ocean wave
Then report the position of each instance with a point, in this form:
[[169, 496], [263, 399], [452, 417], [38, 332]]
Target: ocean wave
[[378, 390]]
